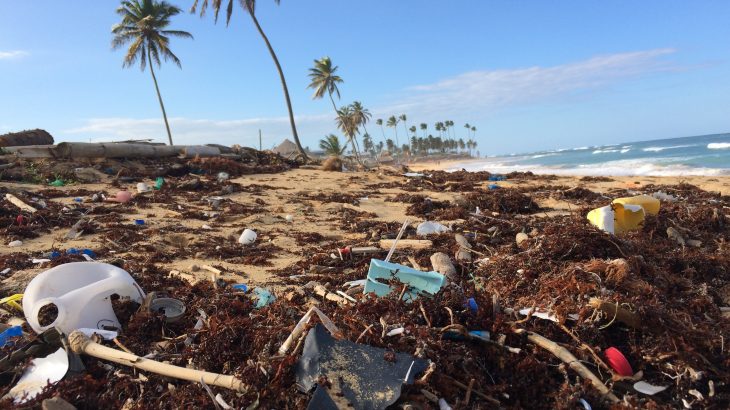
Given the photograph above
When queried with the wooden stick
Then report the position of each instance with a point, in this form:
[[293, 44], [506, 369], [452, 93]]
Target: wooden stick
[[20, 204], [80, 343], [477, 392], [407, 244], [573, 362], [211, 269], [322, 291], [624, 316], [468, 392]]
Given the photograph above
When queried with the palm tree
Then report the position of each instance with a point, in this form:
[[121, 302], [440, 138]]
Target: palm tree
[[144, 24], [324, 80], [474, 135], [362, 115], [403, 118], [379, 121], [424, 127], [367, 144], [331, 145], [250, 7], [462, 145], [393, 122], [413, 130], [347, 124], [468, 129]]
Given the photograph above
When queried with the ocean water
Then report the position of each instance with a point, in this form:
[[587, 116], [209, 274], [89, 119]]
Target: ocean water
[[702, 155]]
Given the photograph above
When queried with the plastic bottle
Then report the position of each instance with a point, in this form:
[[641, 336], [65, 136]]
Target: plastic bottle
[[81, 293]]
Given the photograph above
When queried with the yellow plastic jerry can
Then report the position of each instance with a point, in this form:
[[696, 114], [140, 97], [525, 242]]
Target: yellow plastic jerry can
[[649, 203]]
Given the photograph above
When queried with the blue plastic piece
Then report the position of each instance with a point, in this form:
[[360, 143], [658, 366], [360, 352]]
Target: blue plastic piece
[[139, 221], [72, 251], [54, 255], [263, 297], [497, 178], [478, 334], [240, 286], [78, 199], [472, 305], [14, 331], [493, 186], [89, 252], [418, 282]]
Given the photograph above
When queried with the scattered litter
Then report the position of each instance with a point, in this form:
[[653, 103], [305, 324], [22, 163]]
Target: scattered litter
[[139, 221], [263, 297], [289, 218], [172, 309], [40, 373], [106, 334], [650, 204], [617, 218], [143, 187], [123, 196], [396, 331], [222, 176], [247, 237], [418, 282], [496, 178], [649, 389], [545, 315], [414, 175], [15, 244], [428, 228], [79, 293], [359, 374], [663, 196], [618, 362], [493, 186], [14, 331]]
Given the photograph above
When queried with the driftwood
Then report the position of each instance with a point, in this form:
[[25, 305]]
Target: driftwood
[[20, 204], [573, 362], [80, 343], [442, 264], [321, 291], [613, 310], [23, 138], [77, 150], [407, 244]]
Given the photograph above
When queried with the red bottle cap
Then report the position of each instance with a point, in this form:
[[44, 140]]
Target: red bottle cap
[[618, 362]]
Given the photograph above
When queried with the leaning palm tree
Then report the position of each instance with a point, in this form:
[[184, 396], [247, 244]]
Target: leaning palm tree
[[361, 115], [250, 7], [324, 80], [144, 24], [331, 145]]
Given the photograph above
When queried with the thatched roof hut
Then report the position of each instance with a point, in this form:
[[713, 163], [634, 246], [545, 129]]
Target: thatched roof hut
[[286, 149], [23, 138]]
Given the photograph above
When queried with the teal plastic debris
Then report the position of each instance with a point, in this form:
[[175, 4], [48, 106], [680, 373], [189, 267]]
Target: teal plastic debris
[[263, 297], [418, 282], [57, 182], [159, 182]]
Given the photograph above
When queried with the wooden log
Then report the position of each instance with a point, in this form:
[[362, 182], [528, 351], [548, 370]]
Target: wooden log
[[80, 343], [442, 264], [24, 138], [130, 150], [20, 204], [407, 244]]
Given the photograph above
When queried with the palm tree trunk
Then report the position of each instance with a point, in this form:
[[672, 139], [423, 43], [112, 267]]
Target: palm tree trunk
[[159, 96], [283, 85], [333, 104]]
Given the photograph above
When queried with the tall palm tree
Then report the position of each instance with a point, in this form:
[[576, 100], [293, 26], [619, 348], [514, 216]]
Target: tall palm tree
[[367, 143], [250, 7], [474, 134], [468, 130], [413, 130], [331, 145], [324, 80], [403, 119], [424, 127], [144, 24], [393, 122], [361, 114]]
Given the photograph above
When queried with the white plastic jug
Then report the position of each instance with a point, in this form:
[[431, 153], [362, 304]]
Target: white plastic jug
[[247, 237], [82, 293]]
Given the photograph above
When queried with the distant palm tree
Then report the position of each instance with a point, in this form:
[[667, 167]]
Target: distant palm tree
[[144, 24], [347, 124], [439, 126], [379, 122], [390, 145], [403, 119], [324, 80], [250, 7], [413, 130], [414, 143], [362, 115], [462, 145], [468, 129], [331, 145], [424, 127], [393, 122], [474, 131], [367, 144]]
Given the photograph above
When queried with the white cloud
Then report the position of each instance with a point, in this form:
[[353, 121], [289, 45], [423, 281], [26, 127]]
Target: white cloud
[[469, 96], [485, 91], [203, 131], [9, 55]]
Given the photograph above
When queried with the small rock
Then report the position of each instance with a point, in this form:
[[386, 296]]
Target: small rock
[[521, 237], [194, 268], [15, 244], [56, 403], [87, 175], [534, 232]]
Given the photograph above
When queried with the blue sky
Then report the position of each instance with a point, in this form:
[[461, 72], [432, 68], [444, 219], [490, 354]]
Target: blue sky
[[531, 75]]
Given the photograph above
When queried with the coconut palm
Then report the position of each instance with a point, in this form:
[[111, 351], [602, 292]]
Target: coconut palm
[[144, 25], [424, 127], [393, 122], [361, 114], [331, 145], [468, 130], [413, 130], [403, 119], [347, 124], [250, 7], [324, 80], [367, 144]]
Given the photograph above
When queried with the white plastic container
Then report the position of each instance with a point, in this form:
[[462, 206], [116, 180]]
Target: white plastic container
[[82, 294], [142, 187], [247, 237]]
